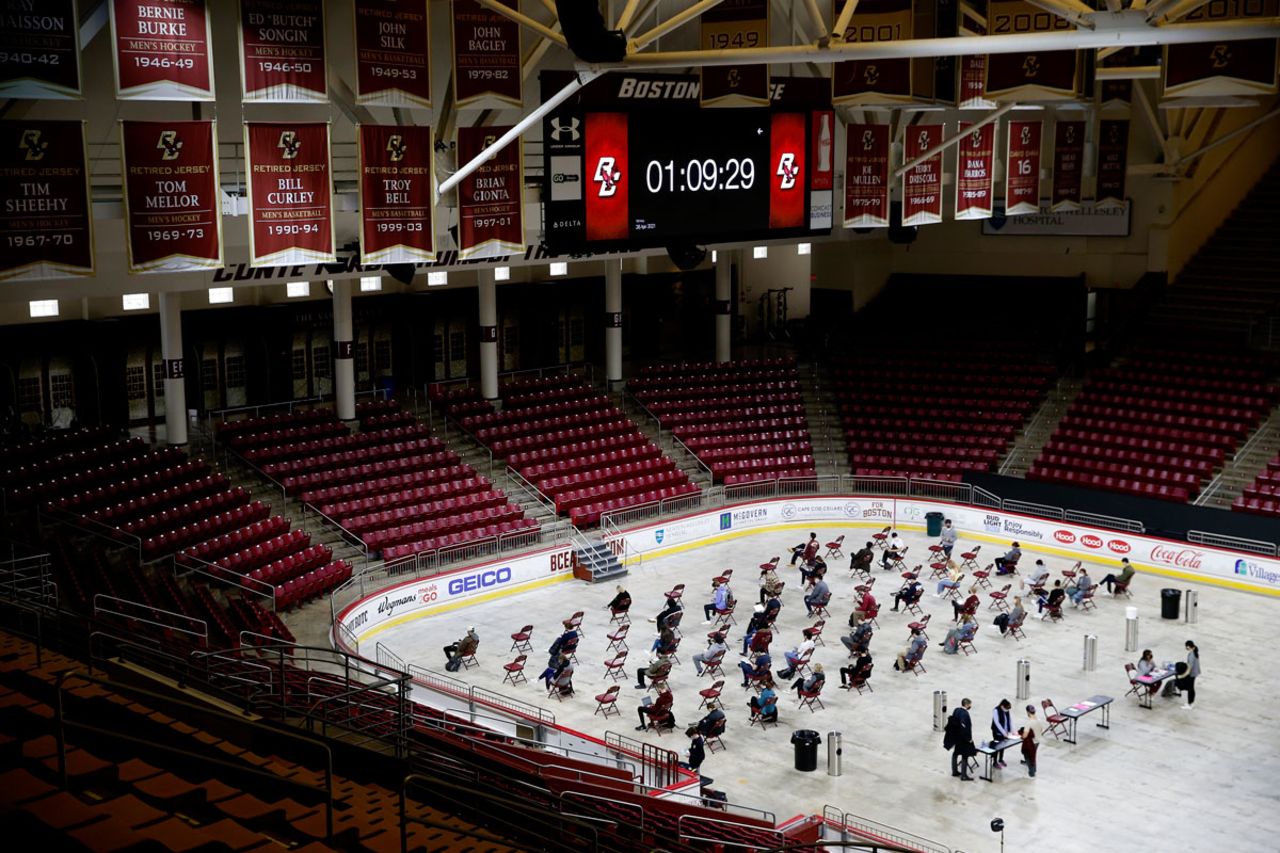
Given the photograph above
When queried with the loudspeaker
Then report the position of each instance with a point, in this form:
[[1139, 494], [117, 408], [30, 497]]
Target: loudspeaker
[[686, 256], [402, 273], [584, 30]]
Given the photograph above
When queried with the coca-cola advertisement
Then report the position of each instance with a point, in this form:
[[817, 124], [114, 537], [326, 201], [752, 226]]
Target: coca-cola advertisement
[[40, 50], [173, 205], [490, 199], [1178, 557], [822, 171], [46, 231], [393, 61], [1113, 160], [922, 184], [395, 194], [866, 176], [282, 51], [290, 180], [1022, 169], [975, 167], [1068, 165], [486, 54], [162, 50]]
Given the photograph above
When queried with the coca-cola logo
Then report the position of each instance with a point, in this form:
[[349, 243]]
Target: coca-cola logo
[[1119, 546], [1090, 541], [1183, 558], [1066, 537]]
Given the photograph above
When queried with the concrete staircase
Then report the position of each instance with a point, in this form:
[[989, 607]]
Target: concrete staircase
[[1037, 431], [685, 461], [830, 452], [597, 558], [1243, 468]]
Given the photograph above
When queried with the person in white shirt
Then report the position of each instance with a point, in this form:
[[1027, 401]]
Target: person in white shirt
[[892, 550], [715, 648], [1039, 575], [796, 655]]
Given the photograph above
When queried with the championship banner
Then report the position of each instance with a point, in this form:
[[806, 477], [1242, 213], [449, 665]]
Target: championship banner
[[290, 193], [735, 24], [922, 185], [40, 52], [47, 225], [1223, 69], [396, 171], [1047, 75], [866, 176], [486, 54], [972, 93], [1113, 159], [172, 199], [1115, 93], [282, 58], [1022, 168], [490, 199], [1068, 165], [874, 81], [393, 57], [162, 50], [975, 172]]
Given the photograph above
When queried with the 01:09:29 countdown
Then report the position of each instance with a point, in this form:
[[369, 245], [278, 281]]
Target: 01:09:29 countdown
[[700, 175]]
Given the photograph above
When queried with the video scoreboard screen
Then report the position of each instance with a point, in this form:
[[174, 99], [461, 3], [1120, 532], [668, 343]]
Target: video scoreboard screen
[[651, 178]]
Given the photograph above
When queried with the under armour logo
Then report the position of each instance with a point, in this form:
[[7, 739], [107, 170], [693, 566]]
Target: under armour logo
[[558, 128], [788, 170], [170, 143], [607, 177], [34, 145], [289, 144], [396, 147]]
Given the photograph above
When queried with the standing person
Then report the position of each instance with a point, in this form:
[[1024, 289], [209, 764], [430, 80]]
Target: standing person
[[948, 540], [959, 739], [1187, 681], [697, 749], [1001, 727], [1030, 732]]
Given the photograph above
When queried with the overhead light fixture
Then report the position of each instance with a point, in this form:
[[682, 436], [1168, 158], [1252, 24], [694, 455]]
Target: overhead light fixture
[[221, 295], [136, 301], [501, 273], [370, 283], [298, 289], [759, 252], [560, 268], [435, 279], [804, 248], [43, 308], [715, 256]]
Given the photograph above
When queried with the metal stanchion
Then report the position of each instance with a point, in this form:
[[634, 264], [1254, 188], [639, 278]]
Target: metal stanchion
[[835, 749], [1024, 679], [939, 710], [1191, 606], [1131, 629], [1090, 652]]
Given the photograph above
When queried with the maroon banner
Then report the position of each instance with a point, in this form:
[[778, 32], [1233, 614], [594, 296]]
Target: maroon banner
[[172, 201], [290, 193], [1042, 75], [731, 25], [46, 228], [486, 54], [607, 189], [1113, 159], [922, 185], [1068, 165], [395, 194], [975, 172], [1022, 168], [874, 81], [40, 50], [866, 176], [162, 50], [787, 154], [393, 57], [282, 51], [1222, 69], [490, 199], [973, 83]]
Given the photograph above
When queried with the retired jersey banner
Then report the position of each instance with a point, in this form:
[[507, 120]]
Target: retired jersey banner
[[290, 193], [922, 185], [486, 54], [975, 172], [1043, 75], [1022, 168], [162, 50], [973, 84], [46, 230], [491, 199], [393, 57], [1068, 165], [874, 81], [172, 201], [40, 50], [866, 176], [395, 194], [1113, 160], [735, 24], [282, 53]]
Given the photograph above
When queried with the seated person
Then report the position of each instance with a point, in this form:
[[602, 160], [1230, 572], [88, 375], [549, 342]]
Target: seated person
[[913, 652], [908, 595], [756, 622], [719, 602], [1014, 617], [463, 647], [1078, 590], [861, 561], [1039, 576], [621, 602], [951, 581], [819, 597], [766, 704], [553, 670], [672, 606], [866, 607], [893, 550], [852, 671], [813, 570], [716, 649], [757, 667], [1008, 564], [665, 642], [794, 656], [772, 608], [658, 667], [1125, 576], [813, 683], [1053, 599], [969, 605], [760, 641], [806, 550], [966, 630], [661, 707], [563, 681], [567, 642], [1147, 663], [713, 723], [770, 584], [859, 639]]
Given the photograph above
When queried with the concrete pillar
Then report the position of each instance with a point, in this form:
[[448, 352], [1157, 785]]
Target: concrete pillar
[[613, 321], [344, 366], [724, 305], [488, 291], [175, 379]]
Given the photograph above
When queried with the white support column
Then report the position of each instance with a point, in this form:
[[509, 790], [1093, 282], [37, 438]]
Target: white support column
[[175, 388], [488, 291], [613, 322], [724, 306], [344, 366]]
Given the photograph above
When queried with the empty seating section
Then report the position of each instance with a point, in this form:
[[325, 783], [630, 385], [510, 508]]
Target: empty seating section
[[1263, 496], [1160, 424], [745, 420], [936, 414], [576, 448], [393, 485]]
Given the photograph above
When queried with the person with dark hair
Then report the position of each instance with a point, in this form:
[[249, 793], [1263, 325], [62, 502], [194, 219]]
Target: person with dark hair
[[757, 622], [893, 550], [554, 670], [852, 671], [1001, 727], [959, 739], [673, 606], [805, 550], [716, 649], [861, 561], [697, 749], [1008, 564], [766, 704], [948, 539], [719, 601], [760, 665], [818, 597], [858, 641], [708, 724], [660, 708], [1053, 599], [909, 594], [1188, 673], [1031, 733], [1126, 575], [969, 605], [658, 666], [460, 649]]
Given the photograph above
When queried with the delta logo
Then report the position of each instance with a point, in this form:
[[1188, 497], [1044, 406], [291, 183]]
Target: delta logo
[[1090, 541], [1066, 537], [1119, 546]]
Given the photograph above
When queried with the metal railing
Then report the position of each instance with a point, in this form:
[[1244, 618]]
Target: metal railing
[[850, 824], [136, 611], [343, 533], [662, 766], [1109, 521], [27, 577], [478, 696], [225, 577], [1236, 543], [686, 835]]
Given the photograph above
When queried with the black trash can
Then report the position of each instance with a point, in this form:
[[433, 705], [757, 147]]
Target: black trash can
[[806, 742], [1170, 603], [933, 523]]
